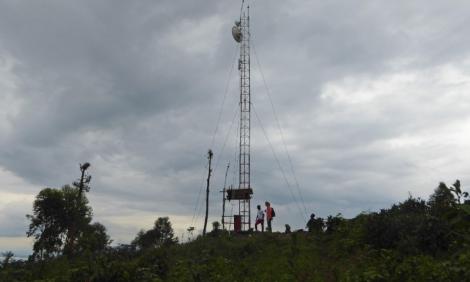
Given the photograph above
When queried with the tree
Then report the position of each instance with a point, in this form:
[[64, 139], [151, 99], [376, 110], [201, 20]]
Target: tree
[[333, 223], [457, 190], [160, 235], [442, 200], [94, 238], [78, 217], [409, 227], [47, 223], [76, 224], [7, 256], [215, 226], [55, 213], [60, 217]]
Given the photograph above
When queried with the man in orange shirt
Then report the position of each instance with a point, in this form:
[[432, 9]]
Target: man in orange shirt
[[269, 215]]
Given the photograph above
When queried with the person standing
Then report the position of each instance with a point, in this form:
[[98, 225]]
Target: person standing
[[269, 216], [315, 225], [311, 223], [259, 219]]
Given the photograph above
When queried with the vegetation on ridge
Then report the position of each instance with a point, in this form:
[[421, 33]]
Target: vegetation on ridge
[[414, 240]]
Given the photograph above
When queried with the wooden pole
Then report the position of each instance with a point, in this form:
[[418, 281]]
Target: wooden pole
[[223, 197], [210, 154], [223, 209]]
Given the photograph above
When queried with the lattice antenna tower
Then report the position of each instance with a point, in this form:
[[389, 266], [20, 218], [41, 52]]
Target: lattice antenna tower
[[241, 34]]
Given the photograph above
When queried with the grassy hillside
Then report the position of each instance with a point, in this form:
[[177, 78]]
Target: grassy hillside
[[256, 257], [414, 240]]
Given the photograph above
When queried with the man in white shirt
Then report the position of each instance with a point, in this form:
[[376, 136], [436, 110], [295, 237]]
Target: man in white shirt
[[259, 219]]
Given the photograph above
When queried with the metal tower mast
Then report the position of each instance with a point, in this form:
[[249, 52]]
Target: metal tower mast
[[241, 34], [245, 114]]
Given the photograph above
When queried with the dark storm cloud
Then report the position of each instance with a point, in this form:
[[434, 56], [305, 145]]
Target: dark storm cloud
[[135, 88], [91, 66]]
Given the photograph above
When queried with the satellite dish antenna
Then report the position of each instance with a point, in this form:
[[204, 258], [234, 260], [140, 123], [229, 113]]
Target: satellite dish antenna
[[237, 32]]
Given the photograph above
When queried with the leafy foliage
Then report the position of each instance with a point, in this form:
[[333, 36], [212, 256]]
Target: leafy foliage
[[161, 234], [94, 238], [55, 213], [455, 188], [412, 226], [215, 226], [442, 201], [414, 240], [315, 225], [60, 223], [7, 256]]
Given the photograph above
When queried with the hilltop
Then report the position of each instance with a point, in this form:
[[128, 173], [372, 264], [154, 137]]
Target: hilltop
[[414, 240]]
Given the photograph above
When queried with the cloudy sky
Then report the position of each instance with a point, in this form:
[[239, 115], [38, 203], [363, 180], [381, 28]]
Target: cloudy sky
[[371, 97]]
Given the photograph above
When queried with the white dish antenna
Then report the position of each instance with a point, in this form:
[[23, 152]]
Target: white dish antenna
[[237, 32]]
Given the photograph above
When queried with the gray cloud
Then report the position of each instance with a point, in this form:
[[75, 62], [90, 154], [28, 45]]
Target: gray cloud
[[371, 97]]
